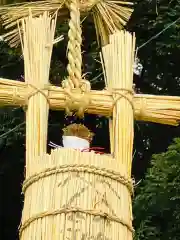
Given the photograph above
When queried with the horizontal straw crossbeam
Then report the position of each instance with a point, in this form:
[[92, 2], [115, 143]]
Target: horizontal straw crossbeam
[[150, 108]]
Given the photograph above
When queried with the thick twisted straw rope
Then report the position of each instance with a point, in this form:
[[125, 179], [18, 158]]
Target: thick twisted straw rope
[[74, 45], [77, 99], [67, 210], [79, 168]]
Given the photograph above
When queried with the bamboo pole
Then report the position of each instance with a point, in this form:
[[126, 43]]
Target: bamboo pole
[[118, 62]]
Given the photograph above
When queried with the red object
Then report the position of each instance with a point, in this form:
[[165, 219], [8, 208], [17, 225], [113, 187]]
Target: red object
[[93, 148]]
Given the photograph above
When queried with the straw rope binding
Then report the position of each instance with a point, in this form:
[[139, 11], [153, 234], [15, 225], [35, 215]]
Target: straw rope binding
[[78, 168], [74, 45], [121, 94], [77, 99], [74, 210], [38, 90]]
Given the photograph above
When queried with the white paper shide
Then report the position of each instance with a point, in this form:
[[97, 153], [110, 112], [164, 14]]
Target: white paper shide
[[75, 142]]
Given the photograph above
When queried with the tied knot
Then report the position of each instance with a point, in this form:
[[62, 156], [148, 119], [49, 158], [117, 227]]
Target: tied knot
[[35, 91], [122, 93], [77, 99]]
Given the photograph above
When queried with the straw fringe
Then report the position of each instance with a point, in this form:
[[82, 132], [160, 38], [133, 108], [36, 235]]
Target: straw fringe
[[109, 15], [78, 130], [37, 43], [12, 14]]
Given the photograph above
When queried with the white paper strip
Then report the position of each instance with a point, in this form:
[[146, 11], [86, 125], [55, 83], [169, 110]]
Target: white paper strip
[[75, 142]]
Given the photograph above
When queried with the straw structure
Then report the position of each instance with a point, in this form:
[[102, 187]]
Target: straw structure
[[11, 14], [118, 58], [150, 108], [37, 43], [118, 64], [74, 46], [75, 195], [108, 15]]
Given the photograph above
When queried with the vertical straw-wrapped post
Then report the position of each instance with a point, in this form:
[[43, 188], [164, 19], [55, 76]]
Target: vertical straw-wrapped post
[[118, 58], [37, 42]]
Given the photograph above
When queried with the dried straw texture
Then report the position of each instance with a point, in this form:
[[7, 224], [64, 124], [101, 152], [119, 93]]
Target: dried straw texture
[[38, 37], [13, 13], [76, 195], [150, 108], [108, 15], [118, 64], [78, 130]]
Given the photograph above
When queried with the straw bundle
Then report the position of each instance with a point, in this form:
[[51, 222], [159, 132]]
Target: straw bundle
[[11, 14], [76, 195], [108, 15], [150, 108], [118, 64], [37, 43]]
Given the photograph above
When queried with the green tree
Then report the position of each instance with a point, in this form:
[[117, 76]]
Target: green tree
[[157, 202], [160, 75]]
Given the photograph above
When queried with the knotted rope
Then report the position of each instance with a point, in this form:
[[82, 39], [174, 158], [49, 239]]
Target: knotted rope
[[38, 90], [76, 89], [77, 99], [122, 93], [34, 92], [66, 210], [79, 168], [74, 45]]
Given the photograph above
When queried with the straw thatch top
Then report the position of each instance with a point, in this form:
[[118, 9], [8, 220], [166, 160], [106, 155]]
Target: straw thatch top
[[108, 15], [78, 130]]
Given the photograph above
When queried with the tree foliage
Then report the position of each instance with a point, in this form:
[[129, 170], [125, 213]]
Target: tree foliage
[[160, 75], [157, 203]]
